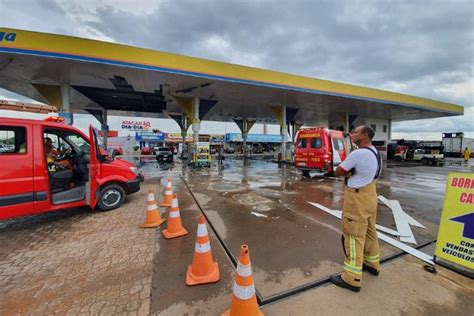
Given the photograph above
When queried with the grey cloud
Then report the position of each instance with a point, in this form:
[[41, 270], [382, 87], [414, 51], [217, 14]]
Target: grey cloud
[[369, 41], [49, 6], [415, 46]]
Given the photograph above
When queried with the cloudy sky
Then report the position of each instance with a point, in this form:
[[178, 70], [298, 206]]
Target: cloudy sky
[[424, 48]]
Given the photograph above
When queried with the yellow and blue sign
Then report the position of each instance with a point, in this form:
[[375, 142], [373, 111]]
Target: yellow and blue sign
[[8, 37], [455, 244]]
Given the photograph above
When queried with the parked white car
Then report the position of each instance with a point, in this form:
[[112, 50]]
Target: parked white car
[[4, 148]]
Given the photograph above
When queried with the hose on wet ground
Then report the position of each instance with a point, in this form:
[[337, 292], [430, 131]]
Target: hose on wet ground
[[296, 290], [224, 246], [310, 285]]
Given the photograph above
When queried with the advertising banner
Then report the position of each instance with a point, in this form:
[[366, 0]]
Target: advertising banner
[[147, 136], [203, 154], [176, 137], [253, 138], [455, 243], [136, 125]]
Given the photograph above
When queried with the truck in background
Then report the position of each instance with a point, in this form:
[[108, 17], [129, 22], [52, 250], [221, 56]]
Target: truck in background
[[425, 155], [455, 143], [320, 150]]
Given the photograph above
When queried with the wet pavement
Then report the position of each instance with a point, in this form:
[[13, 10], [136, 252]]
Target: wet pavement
[[81, 261], [293, 243], [78, 261]]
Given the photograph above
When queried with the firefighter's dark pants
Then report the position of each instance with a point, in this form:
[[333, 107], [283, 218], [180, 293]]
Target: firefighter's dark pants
[[361, 245]]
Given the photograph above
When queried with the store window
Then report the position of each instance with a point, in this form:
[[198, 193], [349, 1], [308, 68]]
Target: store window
[[385, 128]]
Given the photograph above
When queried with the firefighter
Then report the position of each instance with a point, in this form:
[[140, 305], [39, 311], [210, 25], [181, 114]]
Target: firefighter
[[466, 154], [359, 237], [52, 154]]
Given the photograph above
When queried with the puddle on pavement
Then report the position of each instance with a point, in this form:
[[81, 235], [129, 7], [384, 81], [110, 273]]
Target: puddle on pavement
[[149, 166], [257, 202], [270, 192], [226, 187]]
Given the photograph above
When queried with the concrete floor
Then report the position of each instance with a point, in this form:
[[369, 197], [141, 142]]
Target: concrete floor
[[291, 243], [296, 243]]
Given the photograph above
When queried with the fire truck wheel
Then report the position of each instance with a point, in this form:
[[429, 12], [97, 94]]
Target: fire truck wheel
[[111, 197], [305, 173]]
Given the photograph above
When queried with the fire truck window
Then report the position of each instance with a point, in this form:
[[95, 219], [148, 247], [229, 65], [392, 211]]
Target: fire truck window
[[54, 139], [12, 140], [302, 143], [80, 142], [338, 144], [316, 143]]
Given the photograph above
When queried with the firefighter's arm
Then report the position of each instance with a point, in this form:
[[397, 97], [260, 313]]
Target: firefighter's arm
[[344, 169], [340, 171]]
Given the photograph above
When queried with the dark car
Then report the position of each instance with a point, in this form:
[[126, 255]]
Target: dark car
[[163, 154]]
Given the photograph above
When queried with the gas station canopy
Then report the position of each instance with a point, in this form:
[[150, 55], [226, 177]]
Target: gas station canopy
[[127, 80]]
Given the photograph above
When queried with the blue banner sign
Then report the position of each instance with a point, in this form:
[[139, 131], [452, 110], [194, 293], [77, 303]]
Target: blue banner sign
[[253, 138], [216, 139], [149, 136]]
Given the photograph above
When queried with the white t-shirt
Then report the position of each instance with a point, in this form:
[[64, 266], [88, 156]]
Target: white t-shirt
[[365, 164]]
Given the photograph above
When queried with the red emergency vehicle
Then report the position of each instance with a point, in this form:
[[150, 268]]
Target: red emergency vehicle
[[35, 178], [320, 150]]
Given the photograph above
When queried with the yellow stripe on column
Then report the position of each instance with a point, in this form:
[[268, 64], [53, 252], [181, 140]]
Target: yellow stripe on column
[[51, 93], [278, 111]]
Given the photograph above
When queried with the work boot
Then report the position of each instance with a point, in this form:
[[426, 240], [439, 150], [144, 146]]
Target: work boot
[[371, 270], [337, 280]]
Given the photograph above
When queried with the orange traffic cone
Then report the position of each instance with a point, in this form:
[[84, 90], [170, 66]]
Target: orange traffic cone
[[168, 184], [175, 227], [153, 218], [244, 301], [203, 269], [168, 194]]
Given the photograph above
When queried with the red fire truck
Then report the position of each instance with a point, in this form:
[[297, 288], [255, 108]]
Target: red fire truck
[[320, 150], [50, 166]]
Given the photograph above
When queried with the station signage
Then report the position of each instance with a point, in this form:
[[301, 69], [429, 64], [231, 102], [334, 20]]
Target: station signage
[[455, 243], [253, 138], [143, 136], [216, 139], [136, 125], [8, 37], [179, 137]]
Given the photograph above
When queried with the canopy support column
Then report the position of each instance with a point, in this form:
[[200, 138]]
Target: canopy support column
[[66, 106], [283, 129], [196, 127], [184, 133], [245, 125], [104, 128], [58, 96]]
